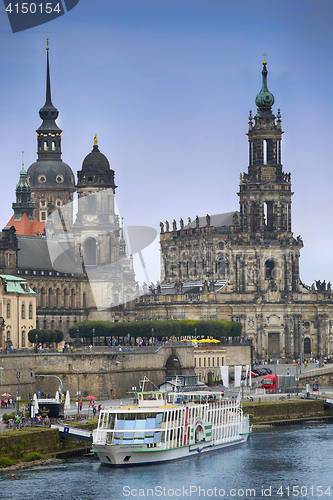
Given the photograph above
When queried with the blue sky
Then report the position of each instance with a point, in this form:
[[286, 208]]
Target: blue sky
[[167, 86]]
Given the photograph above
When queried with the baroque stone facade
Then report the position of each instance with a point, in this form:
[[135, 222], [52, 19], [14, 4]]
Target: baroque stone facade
[[244, 265]]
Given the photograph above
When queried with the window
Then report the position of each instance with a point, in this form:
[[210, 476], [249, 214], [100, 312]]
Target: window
[[8, 335], [23, 339], [90, 252], [43, 216], [269, 270], [221, 266], [23, 311], [30, 311], [8, 310], [200, 362]]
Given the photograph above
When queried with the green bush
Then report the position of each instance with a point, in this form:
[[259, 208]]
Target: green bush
[[7, 416], [32, 456], [6, 462]]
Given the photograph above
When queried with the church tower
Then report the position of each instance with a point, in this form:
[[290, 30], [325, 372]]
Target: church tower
[[52, 180], [98, 235], [265, 203]]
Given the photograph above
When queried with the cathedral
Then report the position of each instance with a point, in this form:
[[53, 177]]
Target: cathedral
[[244, 265]]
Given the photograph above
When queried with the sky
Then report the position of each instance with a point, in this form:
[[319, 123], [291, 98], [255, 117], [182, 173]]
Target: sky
[[167, 87]]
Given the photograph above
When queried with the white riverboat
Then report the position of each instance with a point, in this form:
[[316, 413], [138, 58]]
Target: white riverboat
[[164, 427]]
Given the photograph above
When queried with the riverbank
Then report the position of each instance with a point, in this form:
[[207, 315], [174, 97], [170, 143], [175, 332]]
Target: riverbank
[[287, 411]]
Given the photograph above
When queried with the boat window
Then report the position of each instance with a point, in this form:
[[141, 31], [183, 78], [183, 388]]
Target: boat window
[[129, 424], [151, 423], [140, 424], [120, 424], [157, 437], [159, 420]]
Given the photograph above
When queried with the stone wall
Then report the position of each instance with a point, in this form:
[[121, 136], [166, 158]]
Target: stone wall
[[104, 375]]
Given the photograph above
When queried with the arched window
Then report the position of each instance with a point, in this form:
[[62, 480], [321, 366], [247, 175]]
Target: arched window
[[50, 299], [57, 295], [221, 266], [66, 298], [30, 311], [72, 299], [8, 309], [269, 270], [90, 252], [43, 297], [54, 147], [46, 146], [8, 335], [307, 345], [23, 311], [23, 339]]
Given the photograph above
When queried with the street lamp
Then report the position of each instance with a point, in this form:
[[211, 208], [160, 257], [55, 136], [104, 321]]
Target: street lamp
[[128, 339], [18, 375], [242, 384], [195, 333], [93, 333], [36, 342], [78, 390], [152, 336]]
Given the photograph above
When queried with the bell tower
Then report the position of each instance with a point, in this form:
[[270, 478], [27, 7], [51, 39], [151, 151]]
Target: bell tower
[[265, 199]]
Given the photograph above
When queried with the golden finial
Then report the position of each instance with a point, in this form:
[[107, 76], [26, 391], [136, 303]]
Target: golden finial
[[264, 61], [95, 140], [47, 43]]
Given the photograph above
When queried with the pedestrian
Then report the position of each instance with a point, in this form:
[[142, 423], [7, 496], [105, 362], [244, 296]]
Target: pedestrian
[[80, 405]]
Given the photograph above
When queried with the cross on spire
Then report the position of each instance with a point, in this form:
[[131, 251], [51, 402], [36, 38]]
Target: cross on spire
[[264, 61]]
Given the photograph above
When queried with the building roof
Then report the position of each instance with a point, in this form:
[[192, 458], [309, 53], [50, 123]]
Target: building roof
[[13, 284], [45, 254], [27, 227]]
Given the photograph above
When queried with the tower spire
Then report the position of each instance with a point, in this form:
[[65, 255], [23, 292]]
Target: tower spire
[[48, 82], [265, 99]]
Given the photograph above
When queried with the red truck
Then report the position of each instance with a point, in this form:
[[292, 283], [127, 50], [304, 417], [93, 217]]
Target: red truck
[[270, 382], [274, 382]]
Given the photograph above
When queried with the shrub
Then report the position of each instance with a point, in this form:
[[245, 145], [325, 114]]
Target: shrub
[[32, 456], [6, 462]]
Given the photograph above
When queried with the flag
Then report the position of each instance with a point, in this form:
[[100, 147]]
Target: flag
[[225, 375], [238, 370]]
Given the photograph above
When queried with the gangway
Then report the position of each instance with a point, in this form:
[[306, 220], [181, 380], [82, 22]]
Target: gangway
[[73, 432]]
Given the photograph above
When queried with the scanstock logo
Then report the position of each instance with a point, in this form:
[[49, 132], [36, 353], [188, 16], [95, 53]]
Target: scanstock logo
[[25, 15]]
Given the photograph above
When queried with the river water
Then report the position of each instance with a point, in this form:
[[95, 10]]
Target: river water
[[276, 462]]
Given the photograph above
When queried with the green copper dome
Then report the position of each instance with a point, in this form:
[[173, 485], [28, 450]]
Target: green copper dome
[[264, 99]]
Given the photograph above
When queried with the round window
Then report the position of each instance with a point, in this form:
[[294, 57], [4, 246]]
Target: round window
[[42, 179], [59, 179]]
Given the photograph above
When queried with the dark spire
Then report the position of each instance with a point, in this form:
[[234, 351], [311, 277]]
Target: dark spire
[[48, 112], [48, 134]]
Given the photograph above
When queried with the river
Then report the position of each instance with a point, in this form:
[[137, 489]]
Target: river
[[276, 462]]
